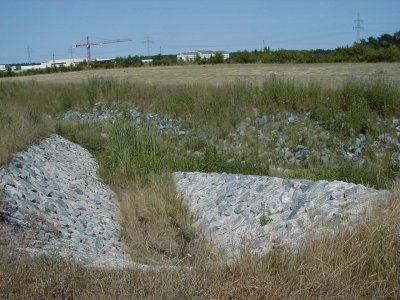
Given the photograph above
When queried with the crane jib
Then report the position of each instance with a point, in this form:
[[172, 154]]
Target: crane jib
[[101, 43]]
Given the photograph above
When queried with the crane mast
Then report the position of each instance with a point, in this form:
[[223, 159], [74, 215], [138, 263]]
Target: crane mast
[[88, 45]]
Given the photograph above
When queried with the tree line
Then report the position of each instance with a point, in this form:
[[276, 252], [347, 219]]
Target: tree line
[[385, 48]]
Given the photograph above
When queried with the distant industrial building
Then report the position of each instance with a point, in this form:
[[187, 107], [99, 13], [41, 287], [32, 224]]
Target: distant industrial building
[[34, 67], [3, 68], [51, 63], [203, 54]]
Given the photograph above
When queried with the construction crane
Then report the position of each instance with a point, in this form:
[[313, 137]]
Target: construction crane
[[88, 45]]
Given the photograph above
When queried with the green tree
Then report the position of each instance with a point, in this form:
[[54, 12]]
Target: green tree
[[217, 58], [392, 53]]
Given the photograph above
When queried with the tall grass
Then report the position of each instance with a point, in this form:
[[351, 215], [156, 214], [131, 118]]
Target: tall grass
[[215, 110], [130, 149], [26, 110]]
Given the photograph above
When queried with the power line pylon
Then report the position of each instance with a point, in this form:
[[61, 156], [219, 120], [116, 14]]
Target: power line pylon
[[28, 50], [358, 26], [147, 41]]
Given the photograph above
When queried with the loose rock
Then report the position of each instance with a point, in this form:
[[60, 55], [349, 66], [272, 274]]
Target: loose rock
[[54, 203], [259, 211]]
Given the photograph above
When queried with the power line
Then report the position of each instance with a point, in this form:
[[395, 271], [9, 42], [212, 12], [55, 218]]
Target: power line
[[358, 27]]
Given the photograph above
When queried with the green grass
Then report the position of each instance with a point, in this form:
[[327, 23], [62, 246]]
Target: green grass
[[379, 176]]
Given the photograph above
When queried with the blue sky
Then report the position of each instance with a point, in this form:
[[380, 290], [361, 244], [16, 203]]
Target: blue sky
[[52, 26]]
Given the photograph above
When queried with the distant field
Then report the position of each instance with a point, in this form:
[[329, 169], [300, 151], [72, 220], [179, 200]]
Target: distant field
[[328, 74]]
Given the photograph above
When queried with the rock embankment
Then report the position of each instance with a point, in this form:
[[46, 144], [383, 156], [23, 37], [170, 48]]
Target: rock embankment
[[260, 211], [103, 113], [53, 202]]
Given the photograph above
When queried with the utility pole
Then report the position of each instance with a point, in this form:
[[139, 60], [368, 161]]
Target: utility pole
[[358, 26], [160, 50], [54, 62], [263, 46], [147, 41], [28, 50]]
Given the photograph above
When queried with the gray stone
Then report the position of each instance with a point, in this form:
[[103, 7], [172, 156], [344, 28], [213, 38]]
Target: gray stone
[[288, 154], [255, 208], [292, 119], [261, 120], [238, 221], [360, 141], [240, 208], [78, 191]]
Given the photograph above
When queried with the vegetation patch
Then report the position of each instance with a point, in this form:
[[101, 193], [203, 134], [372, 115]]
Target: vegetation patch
[[137, 161]]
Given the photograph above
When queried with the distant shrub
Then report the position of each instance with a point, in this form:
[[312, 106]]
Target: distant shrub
[[213, 162]]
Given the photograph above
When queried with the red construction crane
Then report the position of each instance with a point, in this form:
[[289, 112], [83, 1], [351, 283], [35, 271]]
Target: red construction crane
[[101, 43]]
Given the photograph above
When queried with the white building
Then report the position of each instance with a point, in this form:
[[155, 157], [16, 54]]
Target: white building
[[3, 68], [204, 54], [187, 56], [67, 62], [57, 62], [34, 67]]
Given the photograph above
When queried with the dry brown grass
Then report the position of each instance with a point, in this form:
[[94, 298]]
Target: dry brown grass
[[157, 226], [330, 74], [25, 110], [19, 127]]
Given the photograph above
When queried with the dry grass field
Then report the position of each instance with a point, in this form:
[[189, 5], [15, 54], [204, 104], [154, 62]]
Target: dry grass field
[[330, 74]]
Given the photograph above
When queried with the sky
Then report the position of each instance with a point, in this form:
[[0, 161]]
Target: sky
[[41, 28]]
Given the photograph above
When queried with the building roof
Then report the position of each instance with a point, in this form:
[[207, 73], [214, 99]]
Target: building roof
[[189, 53], [202, 52], [211, 52]]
